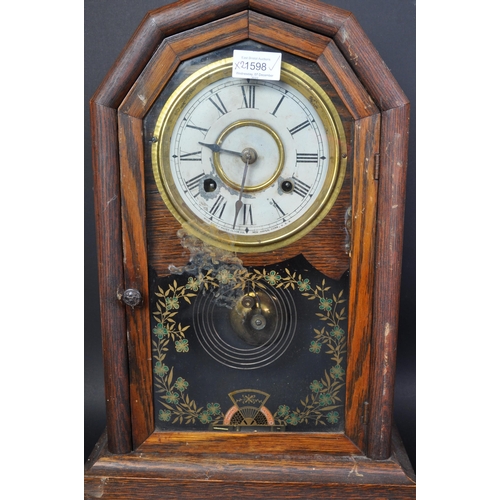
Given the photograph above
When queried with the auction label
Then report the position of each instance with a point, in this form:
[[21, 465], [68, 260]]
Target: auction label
[[256, 65]]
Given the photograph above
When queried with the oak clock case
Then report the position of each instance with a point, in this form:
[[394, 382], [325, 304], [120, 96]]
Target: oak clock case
[[250, 253]]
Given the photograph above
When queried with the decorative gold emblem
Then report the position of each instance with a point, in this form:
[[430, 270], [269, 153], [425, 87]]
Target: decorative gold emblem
[[248, 408]]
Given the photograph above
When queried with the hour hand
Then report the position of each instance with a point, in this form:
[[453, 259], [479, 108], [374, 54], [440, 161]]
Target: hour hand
[[217, 149]]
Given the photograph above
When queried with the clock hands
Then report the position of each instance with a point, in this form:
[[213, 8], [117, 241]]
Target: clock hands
[[248, 155], [217, 149], [239, 203]]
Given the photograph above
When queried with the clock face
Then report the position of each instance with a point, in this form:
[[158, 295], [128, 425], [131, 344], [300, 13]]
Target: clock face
[[248, 165]]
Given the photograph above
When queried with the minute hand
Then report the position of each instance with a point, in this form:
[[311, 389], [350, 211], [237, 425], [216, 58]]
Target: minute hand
[[217, 149]]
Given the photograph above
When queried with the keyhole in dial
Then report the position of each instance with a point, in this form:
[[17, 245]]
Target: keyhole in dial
[[287, 186], [209, 185]]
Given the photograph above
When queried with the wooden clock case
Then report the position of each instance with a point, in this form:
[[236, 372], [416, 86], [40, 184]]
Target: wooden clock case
[[367, 461]]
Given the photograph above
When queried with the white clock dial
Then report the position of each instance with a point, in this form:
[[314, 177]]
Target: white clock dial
[[255, 160]]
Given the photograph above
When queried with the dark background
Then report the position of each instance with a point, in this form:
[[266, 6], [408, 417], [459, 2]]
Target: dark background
[[390, 25]]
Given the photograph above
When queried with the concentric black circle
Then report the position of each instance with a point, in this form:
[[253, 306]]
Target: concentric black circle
[[212, 325]]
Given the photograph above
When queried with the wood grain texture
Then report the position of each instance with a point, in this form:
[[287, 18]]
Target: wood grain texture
[[150, 82], [211, 36], [228, 474], [155, 26], [200, 443], [344, 29], [136, 275], [312, 15], [186, 14], [389, 248], [125, 489], [129, 64], [369, 66], [364, 211], [283, 36], [109, 233], [350, 89], [166, 248]]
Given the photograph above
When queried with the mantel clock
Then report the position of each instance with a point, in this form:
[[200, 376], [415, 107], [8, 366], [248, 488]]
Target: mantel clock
[[249, 161]]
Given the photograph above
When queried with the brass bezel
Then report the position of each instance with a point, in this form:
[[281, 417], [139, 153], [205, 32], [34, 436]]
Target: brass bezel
[[272, 133], [283, 236]]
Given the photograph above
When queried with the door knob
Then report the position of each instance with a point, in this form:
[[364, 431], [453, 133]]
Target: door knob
[[132, 297]]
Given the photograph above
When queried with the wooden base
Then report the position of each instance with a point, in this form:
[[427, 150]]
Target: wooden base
[[150, 474]]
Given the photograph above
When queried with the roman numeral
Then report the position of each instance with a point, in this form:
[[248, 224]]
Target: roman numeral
[[278, 208], [307, 157], [247, 214], [201, 129], [299, 127], [219, 206], [220, 106], [189, 156], [278, 105], [193, 185], [248, 96], [299, 187]]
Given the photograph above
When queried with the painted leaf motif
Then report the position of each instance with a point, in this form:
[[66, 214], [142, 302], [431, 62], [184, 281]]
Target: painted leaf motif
[[328, 408]]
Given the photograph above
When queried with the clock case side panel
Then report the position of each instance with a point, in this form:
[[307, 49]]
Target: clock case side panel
[[136, 276], [395, 128], [111, 277], [362, 227], [388, 255]]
